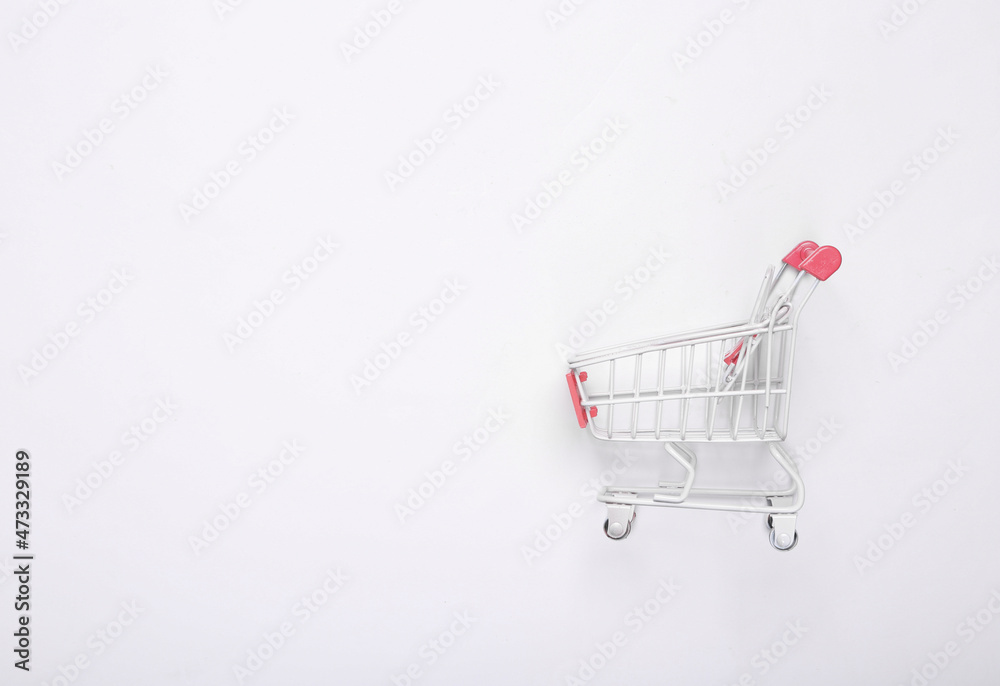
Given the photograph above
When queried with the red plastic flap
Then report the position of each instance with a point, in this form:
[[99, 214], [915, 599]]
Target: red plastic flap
[[799, 253], [574, 393], [822, 263]]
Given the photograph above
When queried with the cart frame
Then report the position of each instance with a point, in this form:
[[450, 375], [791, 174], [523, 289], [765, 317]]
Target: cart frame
[[746, 364]]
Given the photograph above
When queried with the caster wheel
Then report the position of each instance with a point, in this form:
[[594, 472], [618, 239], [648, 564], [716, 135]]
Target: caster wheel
[[788, 545], [615, 533]]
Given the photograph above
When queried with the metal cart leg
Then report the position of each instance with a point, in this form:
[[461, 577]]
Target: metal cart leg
[[676, 492], [784, 508]]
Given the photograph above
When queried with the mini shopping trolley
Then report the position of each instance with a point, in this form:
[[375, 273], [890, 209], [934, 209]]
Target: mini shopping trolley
[[726, 384]]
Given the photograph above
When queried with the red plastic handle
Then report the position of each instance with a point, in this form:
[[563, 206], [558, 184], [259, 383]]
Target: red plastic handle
[[799, 254], [822, 262]]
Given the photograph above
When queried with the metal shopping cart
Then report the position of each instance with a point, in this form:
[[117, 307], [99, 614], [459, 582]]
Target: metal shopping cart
[[725, 384]]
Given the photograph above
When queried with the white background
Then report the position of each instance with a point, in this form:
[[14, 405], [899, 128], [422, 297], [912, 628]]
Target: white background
[[655, 187]]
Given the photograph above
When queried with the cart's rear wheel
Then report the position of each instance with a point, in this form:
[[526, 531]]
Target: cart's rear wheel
[[783, 545], [621, 534]]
